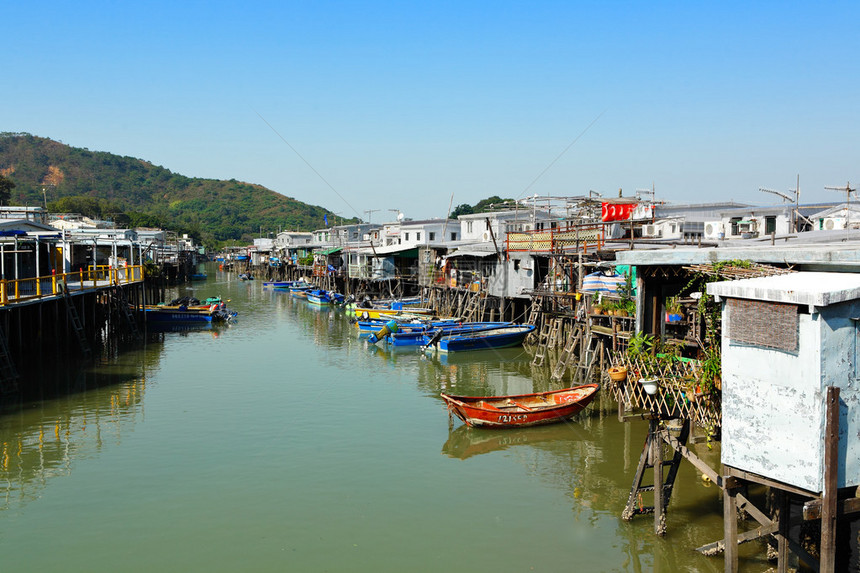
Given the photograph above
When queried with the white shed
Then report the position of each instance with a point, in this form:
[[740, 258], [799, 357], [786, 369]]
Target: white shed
[[786, 339]]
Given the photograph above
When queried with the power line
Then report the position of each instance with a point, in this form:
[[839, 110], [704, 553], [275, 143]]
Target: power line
[[551, 163], [307, 163]]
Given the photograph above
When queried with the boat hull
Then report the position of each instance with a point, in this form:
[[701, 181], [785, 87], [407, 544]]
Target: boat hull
[[504, 337], [521, 410]]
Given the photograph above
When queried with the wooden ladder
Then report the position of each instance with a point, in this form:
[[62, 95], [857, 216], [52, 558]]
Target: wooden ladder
[[541, 344], [470, 307], [8, 372], [537, 303], [555, 333], [122, 306], [652, 457], [574, 342], [72, 314]]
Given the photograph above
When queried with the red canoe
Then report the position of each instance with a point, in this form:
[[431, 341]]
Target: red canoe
[[521, 410]]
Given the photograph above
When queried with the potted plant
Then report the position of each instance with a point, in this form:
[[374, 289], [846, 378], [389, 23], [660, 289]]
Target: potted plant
[[673, 310], [618, 373]]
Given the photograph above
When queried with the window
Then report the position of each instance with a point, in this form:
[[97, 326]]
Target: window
[[468, 227], [432, 236], [418, 236], [453, 236], [405, 236]]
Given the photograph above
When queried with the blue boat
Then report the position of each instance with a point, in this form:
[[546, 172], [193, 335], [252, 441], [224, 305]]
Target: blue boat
[[323, 297], [417, 337], [283, 285], [199, 277], [411, 324], [504, 337], [301, 291]]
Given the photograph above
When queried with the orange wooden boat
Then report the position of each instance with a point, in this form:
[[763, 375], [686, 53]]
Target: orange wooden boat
[[523, 409]]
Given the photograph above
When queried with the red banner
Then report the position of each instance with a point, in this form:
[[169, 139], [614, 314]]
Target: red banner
[[616, 211]]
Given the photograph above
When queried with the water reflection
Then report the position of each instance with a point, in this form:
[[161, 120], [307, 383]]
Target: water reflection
[[465, 442], [42, 442]]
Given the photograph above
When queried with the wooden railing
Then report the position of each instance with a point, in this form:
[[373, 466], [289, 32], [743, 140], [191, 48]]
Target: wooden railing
[[18, 290], [556, 240]]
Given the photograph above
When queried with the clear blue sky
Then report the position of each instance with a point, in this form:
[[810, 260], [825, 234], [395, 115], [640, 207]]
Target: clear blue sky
[[399, 105]]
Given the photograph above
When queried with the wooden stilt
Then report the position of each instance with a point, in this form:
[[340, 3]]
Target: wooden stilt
[[730, 524], [828, 498]]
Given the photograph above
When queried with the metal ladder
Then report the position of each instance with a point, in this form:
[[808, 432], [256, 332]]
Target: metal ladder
[[8, 372], [72, 314], [121, 303]]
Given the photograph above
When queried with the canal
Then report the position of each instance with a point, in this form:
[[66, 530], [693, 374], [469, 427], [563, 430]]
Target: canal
[[284, 442]]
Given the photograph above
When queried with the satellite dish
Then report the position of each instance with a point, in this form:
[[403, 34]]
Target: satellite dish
[[400, 216]]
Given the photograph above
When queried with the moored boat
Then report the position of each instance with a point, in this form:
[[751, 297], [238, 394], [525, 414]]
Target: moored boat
[[503, 337], [281, 285], [416, 337], [523, 409], [324, 297]]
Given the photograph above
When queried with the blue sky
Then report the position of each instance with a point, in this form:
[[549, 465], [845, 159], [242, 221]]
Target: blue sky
[[399, 105]]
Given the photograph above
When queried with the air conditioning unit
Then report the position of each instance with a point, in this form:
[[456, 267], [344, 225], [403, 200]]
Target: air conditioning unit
[[486, 237], [831, 223], [714, 230], [651, 231]]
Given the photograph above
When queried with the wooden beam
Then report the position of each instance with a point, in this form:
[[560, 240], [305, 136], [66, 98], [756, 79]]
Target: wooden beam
[[755, 513], [812, 508], [828, 498], [693, 459], [730, 525], [749, 476]]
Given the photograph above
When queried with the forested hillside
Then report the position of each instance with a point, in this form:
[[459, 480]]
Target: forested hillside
[[133, 192]]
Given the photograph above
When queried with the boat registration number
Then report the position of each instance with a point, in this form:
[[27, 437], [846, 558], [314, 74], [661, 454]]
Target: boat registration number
[[512, 417]]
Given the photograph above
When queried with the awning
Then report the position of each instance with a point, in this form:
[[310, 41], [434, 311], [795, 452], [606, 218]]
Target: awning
[[470, 253], [329, 251]]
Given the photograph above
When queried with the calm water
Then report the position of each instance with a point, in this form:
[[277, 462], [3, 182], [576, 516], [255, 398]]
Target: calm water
[[285, 443]]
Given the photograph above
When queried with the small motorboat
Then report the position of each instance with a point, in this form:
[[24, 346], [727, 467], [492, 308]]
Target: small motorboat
[[323, 297], [502, 337], [523, 409], [246, 277], [416, 337], [281, 285]]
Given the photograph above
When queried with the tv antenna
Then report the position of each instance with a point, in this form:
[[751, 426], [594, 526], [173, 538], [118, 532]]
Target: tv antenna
[[369, 213], [793, 198], [641, 192], [848, 190]]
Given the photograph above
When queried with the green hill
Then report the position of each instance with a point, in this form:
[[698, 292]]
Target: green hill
[[133, 192]]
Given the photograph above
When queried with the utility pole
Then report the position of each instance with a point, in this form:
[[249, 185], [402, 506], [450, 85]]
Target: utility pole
[[848, 191]]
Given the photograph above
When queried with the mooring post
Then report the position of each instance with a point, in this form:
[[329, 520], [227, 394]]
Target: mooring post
[[828, 497]]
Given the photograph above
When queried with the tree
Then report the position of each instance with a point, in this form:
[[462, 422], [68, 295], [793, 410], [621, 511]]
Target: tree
[[463, 209], [6, 186]]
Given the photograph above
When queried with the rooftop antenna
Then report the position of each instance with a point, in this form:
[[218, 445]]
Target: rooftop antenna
[[641, 192], [369, 213], [848, 191], [795, 198]]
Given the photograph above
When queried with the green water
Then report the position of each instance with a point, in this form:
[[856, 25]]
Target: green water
[[285, 443]]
